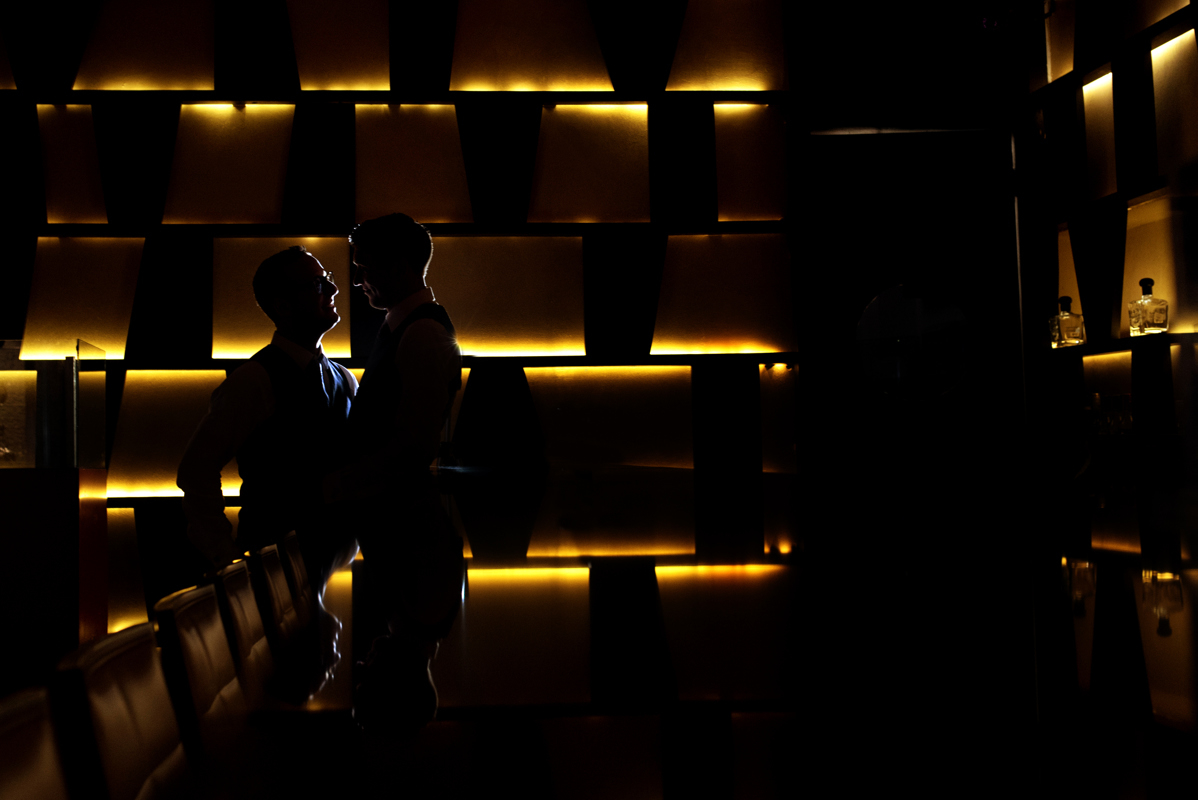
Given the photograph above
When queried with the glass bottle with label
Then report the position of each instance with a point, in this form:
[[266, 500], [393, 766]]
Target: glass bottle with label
[[1066, 328], [1148, 314]]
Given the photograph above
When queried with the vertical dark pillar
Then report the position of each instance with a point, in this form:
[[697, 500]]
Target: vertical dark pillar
[[630, 659], [726, 404]]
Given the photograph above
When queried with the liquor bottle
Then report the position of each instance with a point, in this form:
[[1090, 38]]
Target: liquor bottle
[[1148, 314], [1067, 328]]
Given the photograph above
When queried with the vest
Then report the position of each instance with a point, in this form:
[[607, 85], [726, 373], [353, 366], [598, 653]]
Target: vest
[[284, 460], [381, 385]]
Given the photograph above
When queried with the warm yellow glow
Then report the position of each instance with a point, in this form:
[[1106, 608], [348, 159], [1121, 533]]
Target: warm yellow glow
[[1167, 49], [1108, 360], [239, 328], [608, 549], [342, 579], [520, 575], [526, 45], [730, 46], [735, 107], [784, 546], [120, 623], [642, 108], [159, 412], [1064, 561], [1099, 83], [607, 373], [718, 571], [142, 45], [674, 348], [1147, 575], [82, 288], [230, 163], [341, 45], [512, 295], [92, 493]]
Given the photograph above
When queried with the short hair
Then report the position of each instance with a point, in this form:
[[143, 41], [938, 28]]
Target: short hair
[[396, 238], [271, 281]]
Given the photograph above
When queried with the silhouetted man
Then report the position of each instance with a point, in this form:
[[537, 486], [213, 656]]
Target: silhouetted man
[[411, 549], [283, 415]]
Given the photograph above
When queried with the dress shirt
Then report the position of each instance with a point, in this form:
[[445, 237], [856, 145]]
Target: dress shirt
[[238, 406]]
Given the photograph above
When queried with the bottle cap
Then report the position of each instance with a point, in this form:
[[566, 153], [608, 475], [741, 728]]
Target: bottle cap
[[1065, 301], [1146, 285]]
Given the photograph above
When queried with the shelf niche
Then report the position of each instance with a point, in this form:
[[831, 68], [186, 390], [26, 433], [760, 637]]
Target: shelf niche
[[6, 77], [730, 47], [82, 288], [409, 159], [71, 165], [1059, 28], [750, 159], [512, 295], [592, 164], [239, 327], [160, 410], [1067, 271], [230, 164], [526, 46], [342, 45], [140, 45], [699, 312], [1174, 76], [1149, 254], [1099, 104]]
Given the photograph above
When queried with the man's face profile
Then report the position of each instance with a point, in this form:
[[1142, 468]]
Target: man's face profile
[[376, 280], [310, 301]]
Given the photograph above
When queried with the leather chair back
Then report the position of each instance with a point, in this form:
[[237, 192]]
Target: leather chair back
[[274, 599], [29, 761], [209, 703], [247, 636], [116, 726], [297, 580]]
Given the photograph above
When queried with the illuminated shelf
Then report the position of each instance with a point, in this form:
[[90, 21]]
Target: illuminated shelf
[[1125, 344]]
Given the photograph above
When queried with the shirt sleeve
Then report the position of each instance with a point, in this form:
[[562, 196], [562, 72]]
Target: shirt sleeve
[[237, 407]]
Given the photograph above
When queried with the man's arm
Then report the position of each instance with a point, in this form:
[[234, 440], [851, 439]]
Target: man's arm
[[237, 407]]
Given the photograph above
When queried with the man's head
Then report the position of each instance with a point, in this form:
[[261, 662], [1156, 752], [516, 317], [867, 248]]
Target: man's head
[[293, 289], [391, 258]]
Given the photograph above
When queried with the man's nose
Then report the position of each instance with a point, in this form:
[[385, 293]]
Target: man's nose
[[355, 275]]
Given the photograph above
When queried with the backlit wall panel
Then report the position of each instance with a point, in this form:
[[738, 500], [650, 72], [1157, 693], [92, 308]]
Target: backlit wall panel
[[750, 161], [230, 164], [730, 44], [611, 510], [82, 289], [511, 295], [1149, 254], [18, 419], [71, 165], [126, 592], [342, 45], [639, 416], [239, 327], [522, 637], [149, 44], [1099, 101], [727, 629], [409, 159], [1067, 272], [728, 293], [526, 46], [1174, 76], [1059, 28], [592, 164], [778, 418], [160, 410]]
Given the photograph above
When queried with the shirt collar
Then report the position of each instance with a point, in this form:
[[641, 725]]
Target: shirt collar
[[397, 313], [300, 354]]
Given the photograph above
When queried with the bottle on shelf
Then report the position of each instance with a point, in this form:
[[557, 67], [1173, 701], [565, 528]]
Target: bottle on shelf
[[1066, 329], [1148, 314]]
